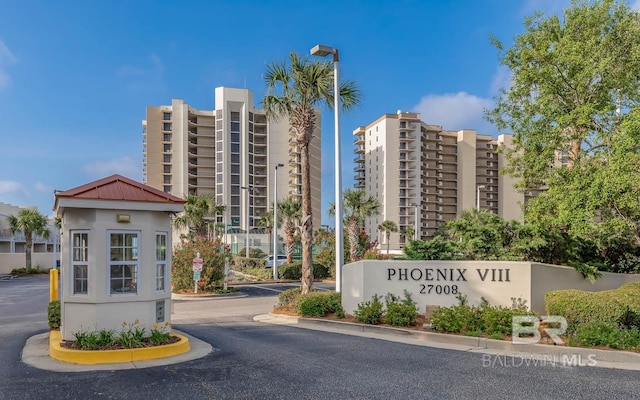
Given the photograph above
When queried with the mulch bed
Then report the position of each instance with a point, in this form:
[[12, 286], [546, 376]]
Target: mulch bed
[[116, 346]]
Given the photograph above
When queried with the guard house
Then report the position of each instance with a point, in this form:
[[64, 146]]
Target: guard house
[[115, 255]]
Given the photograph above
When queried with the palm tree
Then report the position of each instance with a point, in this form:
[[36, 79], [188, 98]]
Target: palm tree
[[266, 222], [29, 221], [196, 211], [408, 233], [387, 227], [357, 207], [289, 213], [293, 91]]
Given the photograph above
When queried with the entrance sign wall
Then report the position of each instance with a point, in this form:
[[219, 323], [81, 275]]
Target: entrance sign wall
[[437, 283]]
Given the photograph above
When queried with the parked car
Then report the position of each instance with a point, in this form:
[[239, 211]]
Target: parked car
[[282, 259]]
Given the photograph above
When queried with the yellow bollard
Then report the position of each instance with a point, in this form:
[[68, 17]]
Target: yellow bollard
[[53, 284]]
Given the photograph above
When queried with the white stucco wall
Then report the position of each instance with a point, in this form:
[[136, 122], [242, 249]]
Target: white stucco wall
[[437, 282], [99, 308]]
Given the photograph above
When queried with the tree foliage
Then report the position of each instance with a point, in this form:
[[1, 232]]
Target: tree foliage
[[196, 211], [573, 109], [213, 253], [29, 222], [386, 227], [357, 206], [293, 92]]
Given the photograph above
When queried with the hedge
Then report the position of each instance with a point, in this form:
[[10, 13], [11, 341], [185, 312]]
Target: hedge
[[581, 307], [294, 271]]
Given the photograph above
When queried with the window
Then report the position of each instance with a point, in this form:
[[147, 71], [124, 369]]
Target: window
[[123, 262], [80, 261], [161, 261], [166, 116], [166, 126]]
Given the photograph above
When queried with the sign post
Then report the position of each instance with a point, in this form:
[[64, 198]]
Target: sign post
[[197, 269]]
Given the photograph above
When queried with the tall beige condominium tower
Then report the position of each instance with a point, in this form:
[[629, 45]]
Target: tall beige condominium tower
[[423, 175], [230, 152]]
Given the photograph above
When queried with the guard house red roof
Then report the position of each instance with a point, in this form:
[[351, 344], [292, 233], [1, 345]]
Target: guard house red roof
[[119, 188]]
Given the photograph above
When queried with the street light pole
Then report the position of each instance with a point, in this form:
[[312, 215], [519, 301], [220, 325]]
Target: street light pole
[[478, 196], [321, 50], [249, 190], [415, 220], [275, 221]]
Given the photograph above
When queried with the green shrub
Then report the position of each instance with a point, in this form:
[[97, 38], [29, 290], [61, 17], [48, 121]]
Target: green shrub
[[244, 264], [213, 254], [494, 321], [580, 307], [86, 340], [293, 271], [370, 312], [53, 314], [31, 271], [458, 318], [320, 271], [599, 334], [319, 304], [629, 319], [498, 320], [260, 274], [289, 297], [400, 312]]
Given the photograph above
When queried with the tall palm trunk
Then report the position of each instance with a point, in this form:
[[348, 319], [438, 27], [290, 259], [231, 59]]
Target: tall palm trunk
[[28, 235], [354, 236], [306, 225], [388, 237]]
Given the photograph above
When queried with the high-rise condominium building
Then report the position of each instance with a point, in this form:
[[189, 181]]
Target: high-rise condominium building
[[423, 175], [230, 152]]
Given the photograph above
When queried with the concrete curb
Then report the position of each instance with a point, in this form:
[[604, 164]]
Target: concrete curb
[[196, 297], [616, 359], [36, 354]]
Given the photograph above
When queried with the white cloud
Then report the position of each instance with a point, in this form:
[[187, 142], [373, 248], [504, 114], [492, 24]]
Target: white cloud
[[549, 7], [142, 77], [6, 58], [12, 187], [41, 187], [455, 111], [501, 79], [125, 166]]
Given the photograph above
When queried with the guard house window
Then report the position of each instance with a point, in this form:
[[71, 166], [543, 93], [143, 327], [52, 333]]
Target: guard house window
[[80, 261], [123, 261], [161, 261]]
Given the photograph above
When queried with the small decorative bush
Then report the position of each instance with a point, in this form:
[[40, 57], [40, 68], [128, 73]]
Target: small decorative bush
[[53, 314], [213, 254], [400, 312], [319, 304], [472, 320], [289, 298], [370, 312], [132, 335]]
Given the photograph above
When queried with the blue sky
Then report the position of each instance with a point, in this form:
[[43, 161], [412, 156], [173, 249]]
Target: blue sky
[[76, 76]]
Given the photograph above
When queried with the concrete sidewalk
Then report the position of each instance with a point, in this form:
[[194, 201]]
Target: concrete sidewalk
[[499, 352]]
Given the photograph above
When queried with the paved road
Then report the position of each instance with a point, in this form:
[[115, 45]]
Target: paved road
[[260, 361]]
